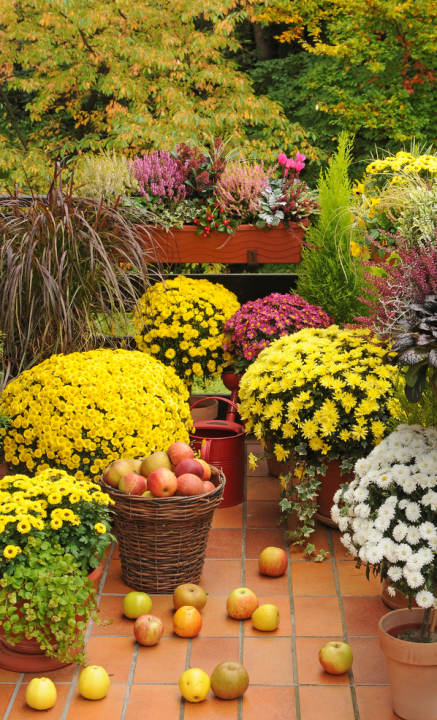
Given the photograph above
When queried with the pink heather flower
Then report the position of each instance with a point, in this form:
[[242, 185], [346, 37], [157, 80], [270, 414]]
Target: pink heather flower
[[282, 158], [160, 176], [239, 188], [300, 157]]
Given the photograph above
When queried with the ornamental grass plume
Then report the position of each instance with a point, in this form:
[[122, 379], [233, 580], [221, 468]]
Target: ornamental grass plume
[[161, 177], [258, 323], [239, 189]]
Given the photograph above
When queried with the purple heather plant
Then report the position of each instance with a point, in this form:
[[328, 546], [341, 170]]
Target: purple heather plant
[[259, 322], [161, 177]]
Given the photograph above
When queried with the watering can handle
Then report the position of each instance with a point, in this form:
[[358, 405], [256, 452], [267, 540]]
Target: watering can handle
[[205, 450], [213, 397]]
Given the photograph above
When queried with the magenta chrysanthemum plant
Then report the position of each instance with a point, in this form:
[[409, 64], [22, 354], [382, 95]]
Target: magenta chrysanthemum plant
[[161, 177], [258, 323], [239, 189]]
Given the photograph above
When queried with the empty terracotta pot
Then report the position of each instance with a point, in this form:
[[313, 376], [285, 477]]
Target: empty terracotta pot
[[206, 410], [411, 668]]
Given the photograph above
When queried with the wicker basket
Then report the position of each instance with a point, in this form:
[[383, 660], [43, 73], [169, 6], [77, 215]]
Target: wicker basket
[[163, 541]]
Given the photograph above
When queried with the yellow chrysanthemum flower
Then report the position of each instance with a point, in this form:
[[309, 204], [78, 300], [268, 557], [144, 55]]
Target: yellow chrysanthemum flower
[[100, 528], [11, 551]]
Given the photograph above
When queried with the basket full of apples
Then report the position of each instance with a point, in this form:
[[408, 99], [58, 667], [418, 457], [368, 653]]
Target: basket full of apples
[[164, 505]]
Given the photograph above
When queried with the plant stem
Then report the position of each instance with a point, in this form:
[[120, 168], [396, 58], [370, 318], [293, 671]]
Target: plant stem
[[424, 632]]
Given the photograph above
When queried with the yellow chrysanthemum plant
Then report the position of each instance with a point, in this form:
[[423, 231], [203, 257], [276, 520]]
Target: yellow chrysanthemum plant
[[80, 412], [181, 321], [312, 397], [54, 530]]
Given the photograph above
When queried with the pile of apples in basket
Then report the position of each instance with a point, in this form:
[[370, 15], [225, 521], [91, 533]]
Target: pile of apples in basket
[[163, 474]]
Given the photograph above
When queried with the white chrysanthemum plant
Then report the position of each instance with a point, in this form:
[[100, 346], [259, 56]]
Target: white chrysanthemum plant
[[388, 513]]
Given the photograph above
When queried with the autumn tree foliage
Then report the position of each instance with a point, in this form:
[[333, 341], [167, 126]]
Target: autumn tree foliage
[[79, 75]]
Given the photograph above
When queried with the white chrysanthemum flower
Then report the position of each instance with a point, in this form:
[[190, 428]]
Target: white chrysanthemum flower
[[362, 510], [349, 495], [392, 500], [374, 536], [337, 496], [403, 504], [362, 554], [409, 485], [361, 467], [415, 562], [425, 465], [384, 480], [412, 511], [361, 494], [401, 472], [346, 539], [414, 579], [366, 525], [335, 513], [374, 554], [387, 511], [399, 531], [382, 523], [356, 523], [423, 481], [404, 455], [427, 531], [343, 523], [426, 554], [391, 591], [425, 599], [395, 573], [389, 549], [432, 542], [413, 535], [359, 538], [403, 552]]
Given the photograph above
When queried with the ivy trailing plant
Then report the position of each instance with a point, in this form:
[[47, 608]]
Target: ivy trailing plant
[[47, 597]]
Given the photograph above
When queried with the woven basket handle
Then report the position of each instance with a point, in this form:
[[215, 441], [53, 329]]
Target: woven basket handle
[[213, 397], [206, 450]]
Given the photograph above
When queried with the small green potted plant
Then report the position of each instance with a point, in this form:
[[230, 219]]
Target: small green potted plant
[[54, 531]]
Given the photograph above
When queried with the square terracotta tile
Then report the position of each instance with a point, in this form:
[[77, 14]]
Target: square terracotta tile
[[258, 540], [310, 578], [216, 621], [5, 696], [282, 602], [154, 702], [319, 538], [353, 581], [161, 663], [208, 652], [111, 608], [268, 660], [370, 698], [212, 708], [362, 615], [263, 487], [7, 676], [114, 582], [272, 703], [318, 617], [63, 675], [263, 584], [262, 514], [114, 654], [21, 710], [369, 663], [109, 708], [330, 703], [230, 517], [220, 577], [309, 670], [224, 543]]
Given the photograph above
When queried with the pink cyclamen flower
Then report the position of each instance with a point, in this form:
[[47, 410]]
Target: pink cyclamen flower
[[290, 164], [299, 166], [282, 158], [300, 157]]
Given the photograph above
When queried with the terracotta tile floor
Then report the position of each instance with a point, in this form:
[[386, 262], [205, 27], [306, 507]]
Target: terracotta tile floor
[[317, 602]]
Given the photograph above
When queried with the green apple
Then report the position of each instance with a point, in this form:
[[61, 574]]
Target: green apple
[[229, 680], [136, 604]]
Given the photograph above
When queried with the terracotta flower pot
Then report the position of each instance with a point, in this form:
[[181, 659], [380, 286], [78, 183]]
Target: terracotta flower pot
[[411, 667], [398, 602], [27, 656], [206, 410], [249, 243], [3, 469]]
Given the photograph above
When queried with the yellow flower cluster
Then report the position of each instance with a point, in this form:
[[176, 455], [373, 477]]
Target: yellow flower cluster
[[84, 410], [325, 390], [404, 162], [181, 323], [26, 503]]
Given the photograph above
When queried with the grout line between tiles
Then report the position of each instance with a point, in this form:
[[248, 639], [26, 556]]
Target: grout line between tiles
[[243, 579], [343, 621], [87, 635], [14, 695], [130, 681], [293, 635], [187, 666]]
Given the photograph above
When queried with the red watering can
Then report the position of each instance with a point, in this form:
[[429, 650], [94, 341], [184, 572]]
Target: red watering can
[[221, 443]]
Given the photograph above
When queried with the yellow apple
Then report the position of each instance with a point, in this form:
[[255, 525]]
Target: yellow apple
[[136, 604], [194, 685], [241, 603], [41, 694], [266, 618], [336, 657]]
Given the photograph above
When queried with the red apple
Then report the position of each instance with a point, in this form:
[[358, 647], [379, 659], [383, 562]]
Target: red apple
[[194, 467], [208, 486], [206, 470], [336, 658], [179, 451], [133, 484], [114, 472], [273, 561], [190, 485], [241, 604], [189, 594], [162, 482], [148, 630]]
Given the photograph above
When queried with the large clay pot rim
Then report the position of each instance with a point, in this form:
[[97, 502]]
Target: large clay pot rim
[[401, 650]]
